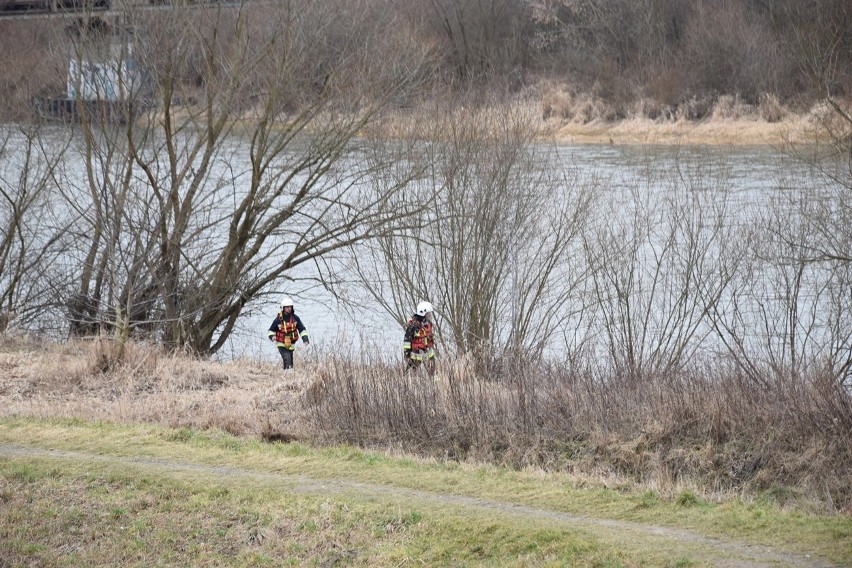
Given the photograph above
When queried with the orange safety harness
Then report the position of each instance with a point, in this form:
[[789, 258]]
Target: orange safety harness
[[422, 338], [287, 332]]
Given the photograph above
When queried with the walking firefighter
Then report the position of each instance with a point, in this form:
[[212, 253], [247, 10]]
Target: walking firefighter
[[285, 331], [418, 346]]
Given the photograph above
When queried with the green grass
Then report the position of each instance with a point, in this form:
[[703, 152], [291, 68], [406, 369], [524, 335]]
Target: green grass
[[148, 495]]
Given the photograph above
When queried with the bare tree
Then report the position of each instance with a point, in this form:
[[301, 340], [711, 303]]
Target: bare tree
[[493, 250], [481, 39], [786, 315], [31, 232], [730, 49], [821, 40], [658, 269], [248, 164], [29, 68], [808, 246]]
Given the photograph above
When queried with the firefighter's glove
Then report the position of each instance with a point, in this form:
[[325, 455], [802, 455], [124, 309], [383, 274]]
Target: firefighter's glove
[[306, 341]]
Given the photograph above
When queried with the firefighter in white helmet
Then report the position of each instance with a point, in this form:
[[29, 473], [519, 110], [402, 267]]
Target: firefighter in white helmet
[[285, 331], [418, 346]]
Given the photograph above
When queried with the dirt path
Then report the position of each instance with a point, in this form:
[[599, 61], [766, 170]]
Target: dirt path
[[736, 553]]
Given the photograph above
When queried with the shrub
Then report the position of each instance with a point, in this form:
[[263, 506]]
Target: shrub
[[731, 107], [710, 427]]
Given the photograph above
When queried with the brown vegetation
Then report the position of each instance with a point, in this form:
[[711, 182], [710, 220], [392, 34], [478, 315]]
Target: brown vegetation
[[82, 379], [237, 170], [709, 430], [582, 61], [706, 428]]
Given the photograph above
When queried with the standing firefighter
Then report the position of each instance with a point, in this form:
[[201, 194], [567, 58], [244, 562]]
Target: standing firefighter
[[418, 346], [285, 331]]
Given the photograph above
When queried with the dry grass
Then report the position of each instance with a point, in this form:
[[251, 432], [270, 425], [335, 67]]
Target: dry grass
[[564, 116], [792, 129], [569, 117], [771, 109], [77, 379], [710, 431]]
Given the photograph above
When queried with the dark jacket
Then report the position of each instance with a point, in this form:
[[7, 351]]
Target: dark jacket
[[419, 335], [286, 330]]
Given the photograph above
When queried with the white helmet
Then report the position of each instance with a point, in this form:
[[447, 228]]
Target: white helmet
[[424, 308], [286, 302]]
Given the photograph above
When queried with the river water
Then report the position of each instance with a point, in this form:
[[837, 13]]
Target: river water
[[748, 180], [746, 176]]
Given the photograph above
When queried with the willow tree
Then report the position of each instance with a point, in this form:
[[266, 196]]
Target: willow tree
[[240, 158], [32, 234], [811, 241], [498, 250]]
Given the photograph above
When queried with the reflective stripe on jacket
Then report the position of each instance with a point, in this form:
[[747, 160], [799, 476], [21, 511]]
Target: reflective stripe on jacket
[[285, 330], [422, 355], [419, 335]]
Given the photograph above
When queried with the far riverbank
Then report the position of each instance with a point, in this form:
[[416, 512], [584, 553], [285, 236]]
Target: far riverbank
[[725, 125], [744, 131]]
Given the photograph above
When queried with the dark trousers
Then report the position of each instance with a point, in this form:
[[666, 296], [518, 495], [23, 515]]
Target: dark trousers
[[287, 355]]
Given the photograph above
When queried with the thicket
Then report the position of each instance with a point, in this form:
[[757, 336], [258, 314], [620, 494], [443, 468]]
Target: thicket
[[706, 426], [656, 58]]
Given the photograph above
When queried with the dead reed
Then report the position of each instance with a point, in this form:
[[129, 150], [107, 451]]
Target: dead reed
[[709, 428]]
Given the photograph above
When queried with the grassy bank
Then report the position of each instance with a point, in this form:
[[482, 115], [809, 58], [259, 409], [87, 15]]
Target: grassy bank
[[142, 495], [709, 432]]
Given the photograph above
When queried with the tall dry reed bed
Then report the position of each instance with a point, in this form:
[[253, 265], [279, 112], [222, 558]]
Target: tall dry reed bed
[[706, 428]]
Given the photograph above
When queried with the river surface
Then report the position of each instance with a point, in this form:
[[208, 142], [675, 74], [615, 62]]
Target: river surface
[[748, 181], [747, 175]]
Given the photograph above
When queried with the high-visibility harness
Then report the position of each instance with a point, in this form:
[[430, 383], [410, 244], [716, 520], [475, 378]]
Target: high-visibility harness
[[287, 333], [422, 338]]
